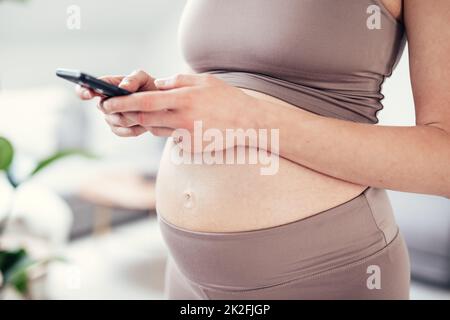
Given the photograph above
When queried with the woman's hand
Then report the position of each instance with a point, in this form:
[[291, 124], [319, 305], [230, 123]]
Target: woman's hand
[[136, 81], [180, 101]]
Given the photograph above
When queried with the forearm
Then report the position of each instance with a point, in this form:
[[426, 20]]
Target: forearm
[[410, 159]]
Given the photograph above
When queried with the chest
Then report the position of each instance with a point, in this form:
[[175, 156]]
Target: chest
[[307, 35]]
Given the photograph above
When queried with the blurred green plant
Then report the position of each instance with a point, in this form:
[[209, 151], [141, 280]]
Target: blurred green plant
[[12, 269], [16, 264], [7, 157], [6, 154]]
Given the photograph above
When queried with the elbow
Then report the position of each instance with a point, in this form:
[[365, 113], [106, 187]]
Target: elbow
[[442, 134]]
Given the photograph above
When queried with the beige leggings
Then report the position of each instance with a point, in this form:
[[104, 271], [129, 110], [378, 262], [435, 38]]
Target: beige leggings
[[351, 251]]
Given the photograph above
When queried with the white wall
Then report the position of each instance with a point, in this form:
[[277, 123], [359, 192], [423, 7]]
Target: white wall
[[398, 102]]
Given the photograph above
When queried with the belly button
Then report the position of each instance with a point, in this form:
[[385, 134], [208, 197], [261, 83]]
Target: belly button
[[188, 201]]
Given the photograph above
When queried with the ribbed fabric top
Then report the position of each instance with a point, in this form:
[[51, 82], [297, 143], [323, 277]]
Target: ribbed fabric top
[[329, 57]]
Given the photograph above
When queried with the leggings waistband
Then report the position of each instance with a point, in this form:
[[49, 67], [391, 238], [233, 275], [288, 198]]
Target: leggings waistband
[[240, 260]]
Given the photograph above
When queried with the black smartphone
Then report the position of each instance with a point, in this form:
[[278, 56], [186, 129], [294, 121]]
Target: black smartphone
[[90, 82]]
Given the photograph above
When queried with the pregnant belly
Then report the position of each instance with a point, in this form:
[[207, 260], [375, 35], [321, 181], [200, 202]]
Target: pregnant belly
[[236, 197]]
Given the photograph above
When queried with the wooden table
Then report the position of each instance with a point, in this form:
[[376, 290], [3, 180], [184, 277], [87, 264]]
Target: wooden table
[[127, 190]]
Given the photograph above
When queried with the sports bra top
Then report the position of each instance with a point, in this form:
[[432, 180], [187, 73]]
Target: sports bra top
[[329, 57]]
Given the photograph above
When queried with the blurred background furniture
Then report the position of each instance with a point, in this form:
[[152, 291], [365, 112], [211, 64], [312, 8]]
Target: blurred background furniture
[[110, 200], [425, 222]]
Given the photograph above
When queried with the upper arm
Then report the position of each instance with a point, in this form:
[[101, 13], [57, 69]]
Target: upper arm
[[428, 30]]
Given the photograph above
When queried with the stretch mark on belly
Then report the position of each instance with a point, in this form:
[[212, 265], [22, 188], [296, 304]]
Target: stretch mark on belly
[[189, 201]]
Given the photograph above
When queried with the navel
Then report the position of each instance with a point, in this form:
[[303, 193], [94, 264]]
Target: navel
[[188, 199]]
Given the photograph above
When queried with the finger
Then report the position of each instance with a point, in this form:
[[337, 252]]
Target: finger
[[128, 132], [118, 120], [160, 131], [182, 80], [137, 81], [100, 104], [114, 80], [164, 118], [84, 93], [147, 101]]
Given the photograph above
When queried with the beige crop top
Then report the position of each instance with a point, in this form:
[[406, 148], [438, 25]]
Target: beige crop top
[[329, 57]]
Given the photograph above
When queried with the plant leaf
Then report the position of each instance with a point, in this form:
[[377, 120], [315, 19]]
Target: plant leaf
[[6, 154], [10, 258], [14, 266], [57, 156], [16, 271], [19, 281]]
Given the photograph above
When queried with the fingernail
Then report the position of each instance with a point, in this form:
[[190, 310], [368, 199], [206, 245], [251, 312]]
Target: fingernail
[[162, 82], [131, 116], [105, 105], [124, 82], [86, 93]]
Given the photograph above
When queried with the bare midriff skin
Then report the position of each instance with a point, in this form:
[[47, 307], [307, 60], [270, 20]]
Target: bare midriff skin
[[236, 197], [227, 198]]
